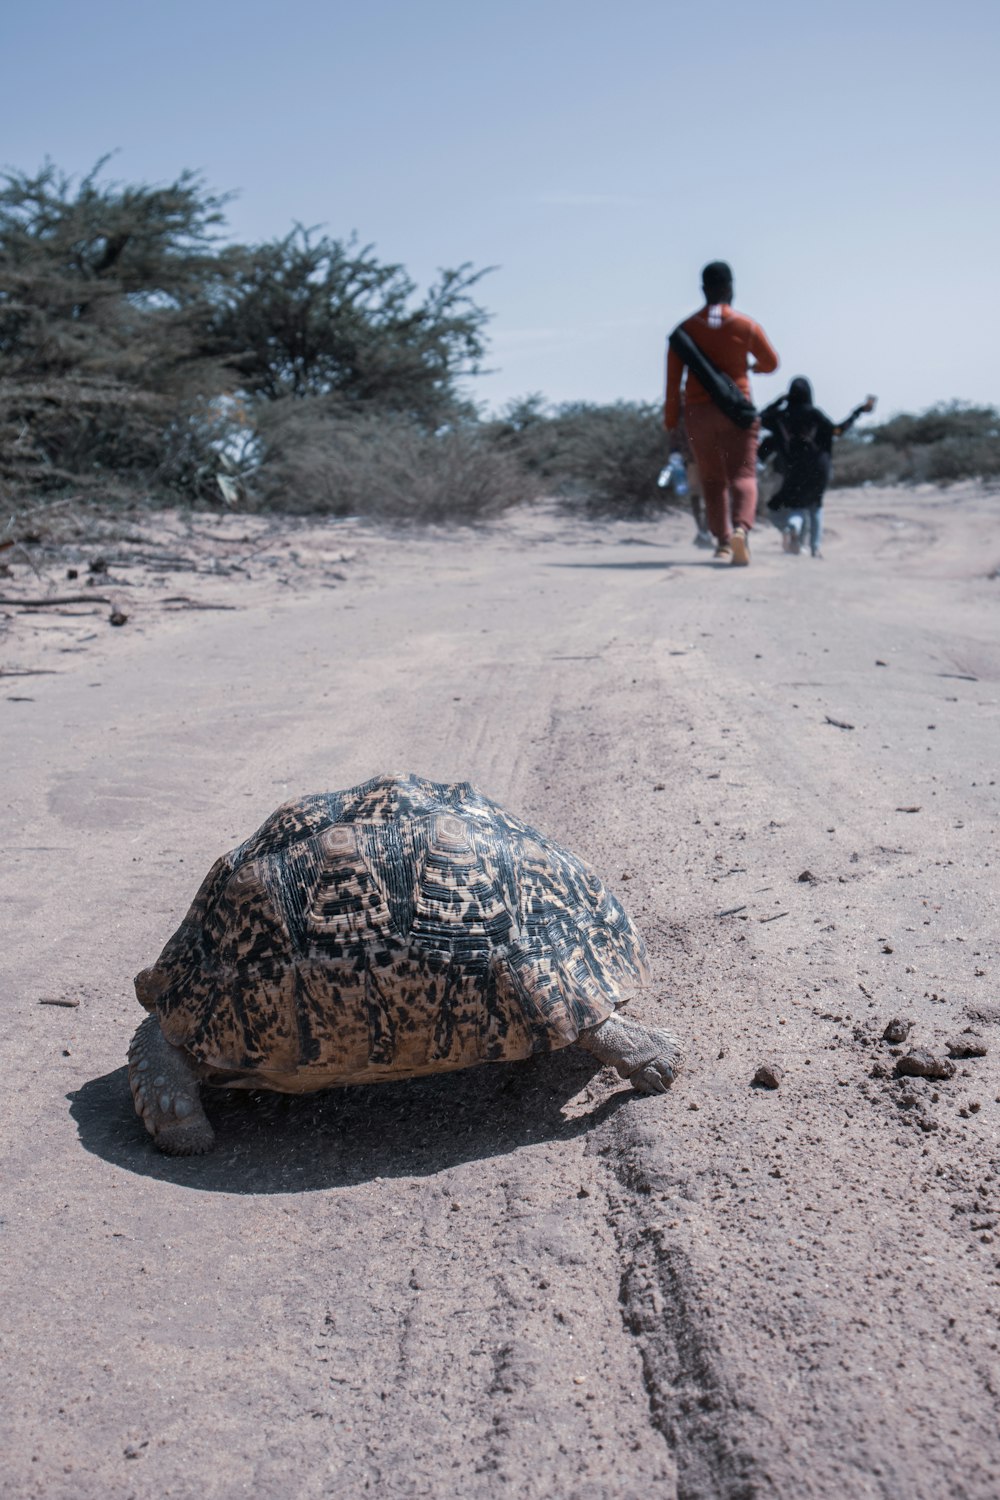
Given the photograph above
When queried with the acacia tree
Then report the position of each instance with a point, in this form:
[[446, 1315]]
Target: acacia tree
[[123, 314], [86, 268], [314, 316], [104, 292]]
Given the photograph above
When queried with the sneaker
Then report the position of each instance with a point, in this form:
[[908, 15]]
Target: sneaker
[[723, 553], [791, 540], [703, 539], [740, 548]]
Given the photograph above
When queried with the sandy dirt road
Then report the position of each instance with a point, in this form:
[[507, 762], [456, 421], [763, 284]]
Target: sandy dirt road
[[525, 1281]]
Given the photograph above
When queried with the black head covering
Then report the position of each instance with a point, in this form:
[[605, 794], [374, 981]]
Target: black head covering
[[800, 392], [717, 277]]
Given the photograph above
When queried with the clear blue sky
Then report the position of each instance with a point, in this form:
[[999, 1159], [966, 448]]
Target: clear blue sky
[[844, 159]]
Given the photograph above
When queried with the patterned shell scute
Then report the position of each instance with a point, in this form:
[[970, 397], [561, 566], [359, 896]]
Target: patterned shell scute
[[402, 926]]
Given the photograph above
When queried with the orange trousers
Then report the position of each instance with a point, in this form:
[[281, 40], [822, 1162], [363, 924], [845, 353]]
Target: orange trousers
[[726, 456]]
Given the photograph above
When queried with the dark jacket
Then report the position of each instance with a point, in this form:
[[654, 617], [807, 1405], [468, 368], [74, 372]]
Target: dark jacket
[[801, 440]]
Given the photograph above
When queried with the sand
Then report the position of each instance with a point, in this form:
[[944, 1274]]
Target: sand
[[522, 1280]]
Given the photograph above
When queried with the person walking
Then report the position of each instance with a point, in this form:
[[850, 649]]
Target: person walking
[[726, 453], [801, 440], [702, 536]]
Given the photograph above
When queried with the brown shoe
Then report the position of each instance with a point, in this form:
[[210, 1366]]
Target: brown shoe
[[740, 547]]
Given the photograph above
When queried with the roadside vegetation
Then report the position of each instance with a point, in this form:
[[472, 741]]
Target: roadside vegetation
[[144, 356], [939, 446]]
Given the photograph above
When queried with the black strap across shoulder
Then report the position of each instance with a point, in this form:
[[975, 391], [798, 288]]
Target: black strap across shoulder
[[723, 390]]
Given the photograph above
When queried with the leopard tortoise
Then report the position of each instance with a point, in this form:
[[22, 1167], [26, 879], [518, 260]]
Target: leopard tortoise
[[400, 927]]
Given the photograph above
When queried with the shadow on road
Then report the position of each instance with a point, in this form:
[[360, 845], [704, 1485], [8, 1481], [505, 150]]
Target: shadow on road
[[279, 1143], [642, 562]]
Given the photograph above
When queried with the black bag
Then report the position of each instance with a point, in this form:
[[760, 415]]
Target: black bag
[[723, 390]]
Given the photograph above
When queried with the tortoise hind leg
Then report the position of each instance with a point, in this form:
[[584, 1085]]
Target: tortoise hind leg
[[165, 1092], [646, 1055]]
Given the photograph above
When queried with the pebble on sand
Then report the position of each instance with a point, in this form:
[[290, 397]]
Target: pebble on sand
[[768, 1076]]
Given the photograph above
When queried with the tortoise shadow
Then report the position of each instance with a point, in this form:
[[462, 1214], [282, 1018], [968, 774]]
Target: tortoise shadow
[[283, 1143]]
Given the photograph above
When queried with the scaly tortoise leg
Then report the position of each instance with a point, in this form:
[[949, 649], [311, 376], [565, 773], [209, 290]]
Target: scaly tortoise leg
[[647, 1056], [165, 1092]]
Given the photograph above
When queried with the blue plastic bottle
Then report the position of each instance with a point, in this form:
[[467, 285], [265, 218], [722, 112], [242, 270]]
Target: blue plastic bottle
[[678, 474]]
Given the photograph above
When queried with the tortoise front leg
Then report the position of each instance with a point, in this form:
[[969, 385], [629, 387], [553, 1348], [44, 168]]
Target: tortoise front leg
[[647, 1056], [165, 1091]]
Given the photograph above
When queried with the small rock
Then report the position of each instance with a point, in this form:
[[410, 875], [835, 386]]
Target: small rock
[[659, 786], [583, 1192], [72, 572], [768, 1076], [897, 1030], [919, 1063], [117, 618], [98, 565], [807, 877], [968, 1044]]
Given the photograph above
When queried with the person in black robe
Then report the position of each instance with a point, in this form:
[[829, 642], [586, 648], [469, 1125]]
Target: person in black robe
[[800, 438]]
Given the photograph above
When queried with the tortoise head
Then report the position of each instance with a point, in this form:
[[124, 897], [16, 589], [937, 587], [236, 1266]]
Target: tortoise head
[[149, 986]]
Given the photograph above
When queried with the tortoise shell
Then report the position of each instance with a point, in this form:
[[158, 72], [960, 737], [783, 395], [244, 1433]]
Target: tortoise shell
[[400, 927]]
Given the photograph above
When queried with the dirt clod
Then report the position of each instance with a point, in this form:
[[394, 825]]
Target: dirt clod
[[919, 1063], [897, 1030], [768, 1076], [968, 1044]]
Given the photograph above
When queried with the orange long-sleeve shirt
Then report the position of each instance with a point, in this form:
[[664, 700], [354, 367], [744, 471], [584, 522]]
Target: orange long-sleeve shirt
[[729, 340]]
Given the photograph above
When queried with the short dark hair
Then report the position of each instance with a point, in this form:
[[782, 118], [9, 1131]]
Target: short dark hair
[[716, 276]]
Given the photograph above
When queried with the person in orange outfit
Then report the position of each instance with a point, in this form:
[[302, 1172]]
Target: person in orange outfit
[[726, 455]]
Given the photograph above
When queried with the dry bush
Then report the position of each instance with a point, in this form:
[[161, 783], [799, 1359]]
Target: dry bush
[[103, 437], [77, 433], [937, 446], [600, 459], [317, 458]]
